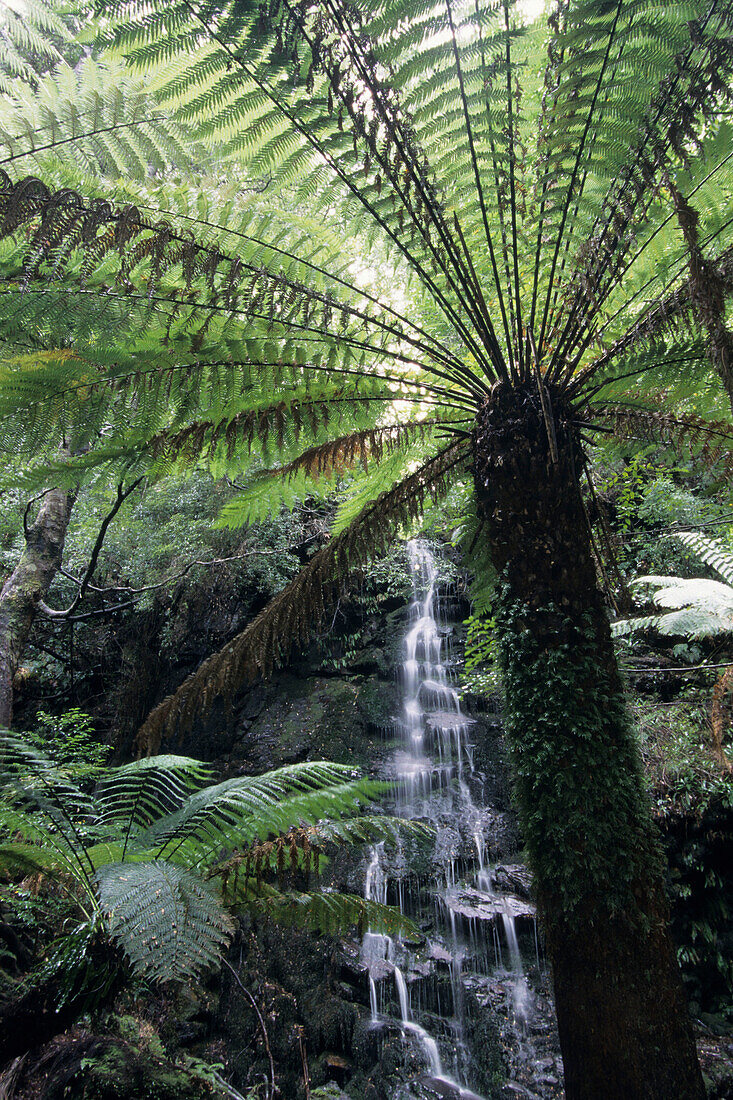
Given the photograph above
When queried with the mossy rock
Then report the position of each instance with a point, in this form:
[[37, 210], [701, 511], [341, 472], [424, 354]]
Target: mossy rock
[[101, 1067], [328, 1092], [326, 718]]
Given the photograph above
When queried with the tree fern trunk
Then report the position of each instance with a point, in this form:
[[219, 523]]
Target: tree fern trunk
[[599, 872], [28, 583]]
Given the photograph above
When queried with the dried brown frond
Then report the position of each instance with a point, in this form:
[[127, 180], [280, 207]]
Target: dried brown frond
[[54, 225], [301, 607], [344, 452], [300, 845], [262, 424], [708, 291], [281, 417], [670, 315]]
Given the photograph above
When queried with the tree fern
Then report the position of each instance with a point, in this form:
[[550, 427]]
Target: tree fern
[[152, 847], [531, 203]]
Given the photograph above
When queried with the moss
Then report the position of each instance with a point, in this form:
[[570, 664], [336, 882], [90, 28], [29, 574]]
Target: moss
[[577, 768], [95, 1067], [328, 1092]]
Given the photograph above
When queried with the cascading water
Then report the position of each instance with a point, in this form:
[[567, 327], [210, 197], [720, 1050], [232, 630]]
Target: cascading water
[[474, 930]]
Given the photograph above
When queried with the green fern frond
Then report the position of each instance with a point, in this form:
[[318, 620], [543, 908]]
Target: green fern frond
[[30, 35], [709, 441], [170, 923], [240, 811], [137, 794], [697, 608], [148, 849], [268, 491], [711, 551], [333, 913], [27, 859]]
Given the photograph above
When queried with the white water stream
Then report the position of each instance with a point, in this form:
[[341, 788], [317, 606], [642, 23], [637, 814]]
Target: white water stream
[[431, 770]]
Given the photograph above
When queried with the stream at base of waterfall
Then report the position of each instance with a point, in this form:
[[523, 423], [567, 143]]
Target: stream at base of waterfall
[[467, 982]]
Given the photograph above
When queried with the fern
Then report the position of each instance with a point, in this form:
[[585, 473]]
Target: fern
[[710, 551], [145, 849], [170, 924], [30, 36], [697, 608], [334, 913], [529, 205]]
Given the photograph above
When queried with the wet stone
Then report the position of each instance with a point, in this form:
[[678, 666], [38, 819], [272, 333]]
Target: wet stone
[[439, 954], [476, 905], [514, 878]]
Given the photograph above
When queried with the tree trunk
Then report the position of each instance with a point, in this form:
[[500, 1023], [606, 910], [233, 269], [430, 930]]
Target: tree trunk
[[596, 859], [29, 582]]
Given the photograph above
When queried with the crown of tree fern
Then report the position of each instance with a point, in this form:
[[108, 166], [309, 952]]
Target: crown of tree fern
[[563, 235]]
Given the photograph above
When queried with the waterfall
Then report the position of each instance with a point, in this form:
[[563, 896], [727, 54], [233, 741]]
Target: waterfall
[[432, 770]]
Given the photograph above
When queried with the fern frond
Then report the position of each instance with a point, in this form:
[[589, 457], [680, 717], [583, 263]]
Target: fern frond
[[711, 551], [333, 913], [268, 491], [30, 34], [293, 613], [100, 112], [23, 859], [240, 811], [170, 923], [135, 795], [698, 608], [29, 778], [709, 441], [344, 452]]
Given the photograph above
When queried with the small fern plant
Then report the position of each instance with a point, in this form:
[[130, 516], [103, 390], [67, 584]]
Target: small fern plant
[[158, 856], [694, 608]]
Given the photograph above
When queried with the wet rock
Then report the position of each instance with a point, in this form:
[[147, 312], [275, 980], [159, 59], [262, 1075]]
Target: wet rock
[[337, 1067], [513, 878], [351, 966], [449, 1090], [476, 905], [366, 1043], [439, 954], [379, 969], [419, 970]]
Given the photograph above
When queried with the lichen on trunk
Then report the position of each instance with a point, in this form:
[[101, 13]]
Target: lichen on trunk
[[27, 585], [599, 874]]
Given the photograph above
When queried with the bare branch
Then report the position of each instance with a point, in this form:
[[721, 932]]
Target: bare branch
[[122, 495]]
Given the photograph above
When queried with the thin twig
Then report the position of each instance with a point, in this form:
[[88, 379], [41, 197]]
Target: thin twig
[[273, 1092], [178, 576], [680, 668]]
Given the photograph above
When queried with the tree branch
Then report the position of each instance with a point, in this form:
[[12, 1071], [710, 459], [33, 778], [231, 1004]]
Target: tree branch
[[122, 495]]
